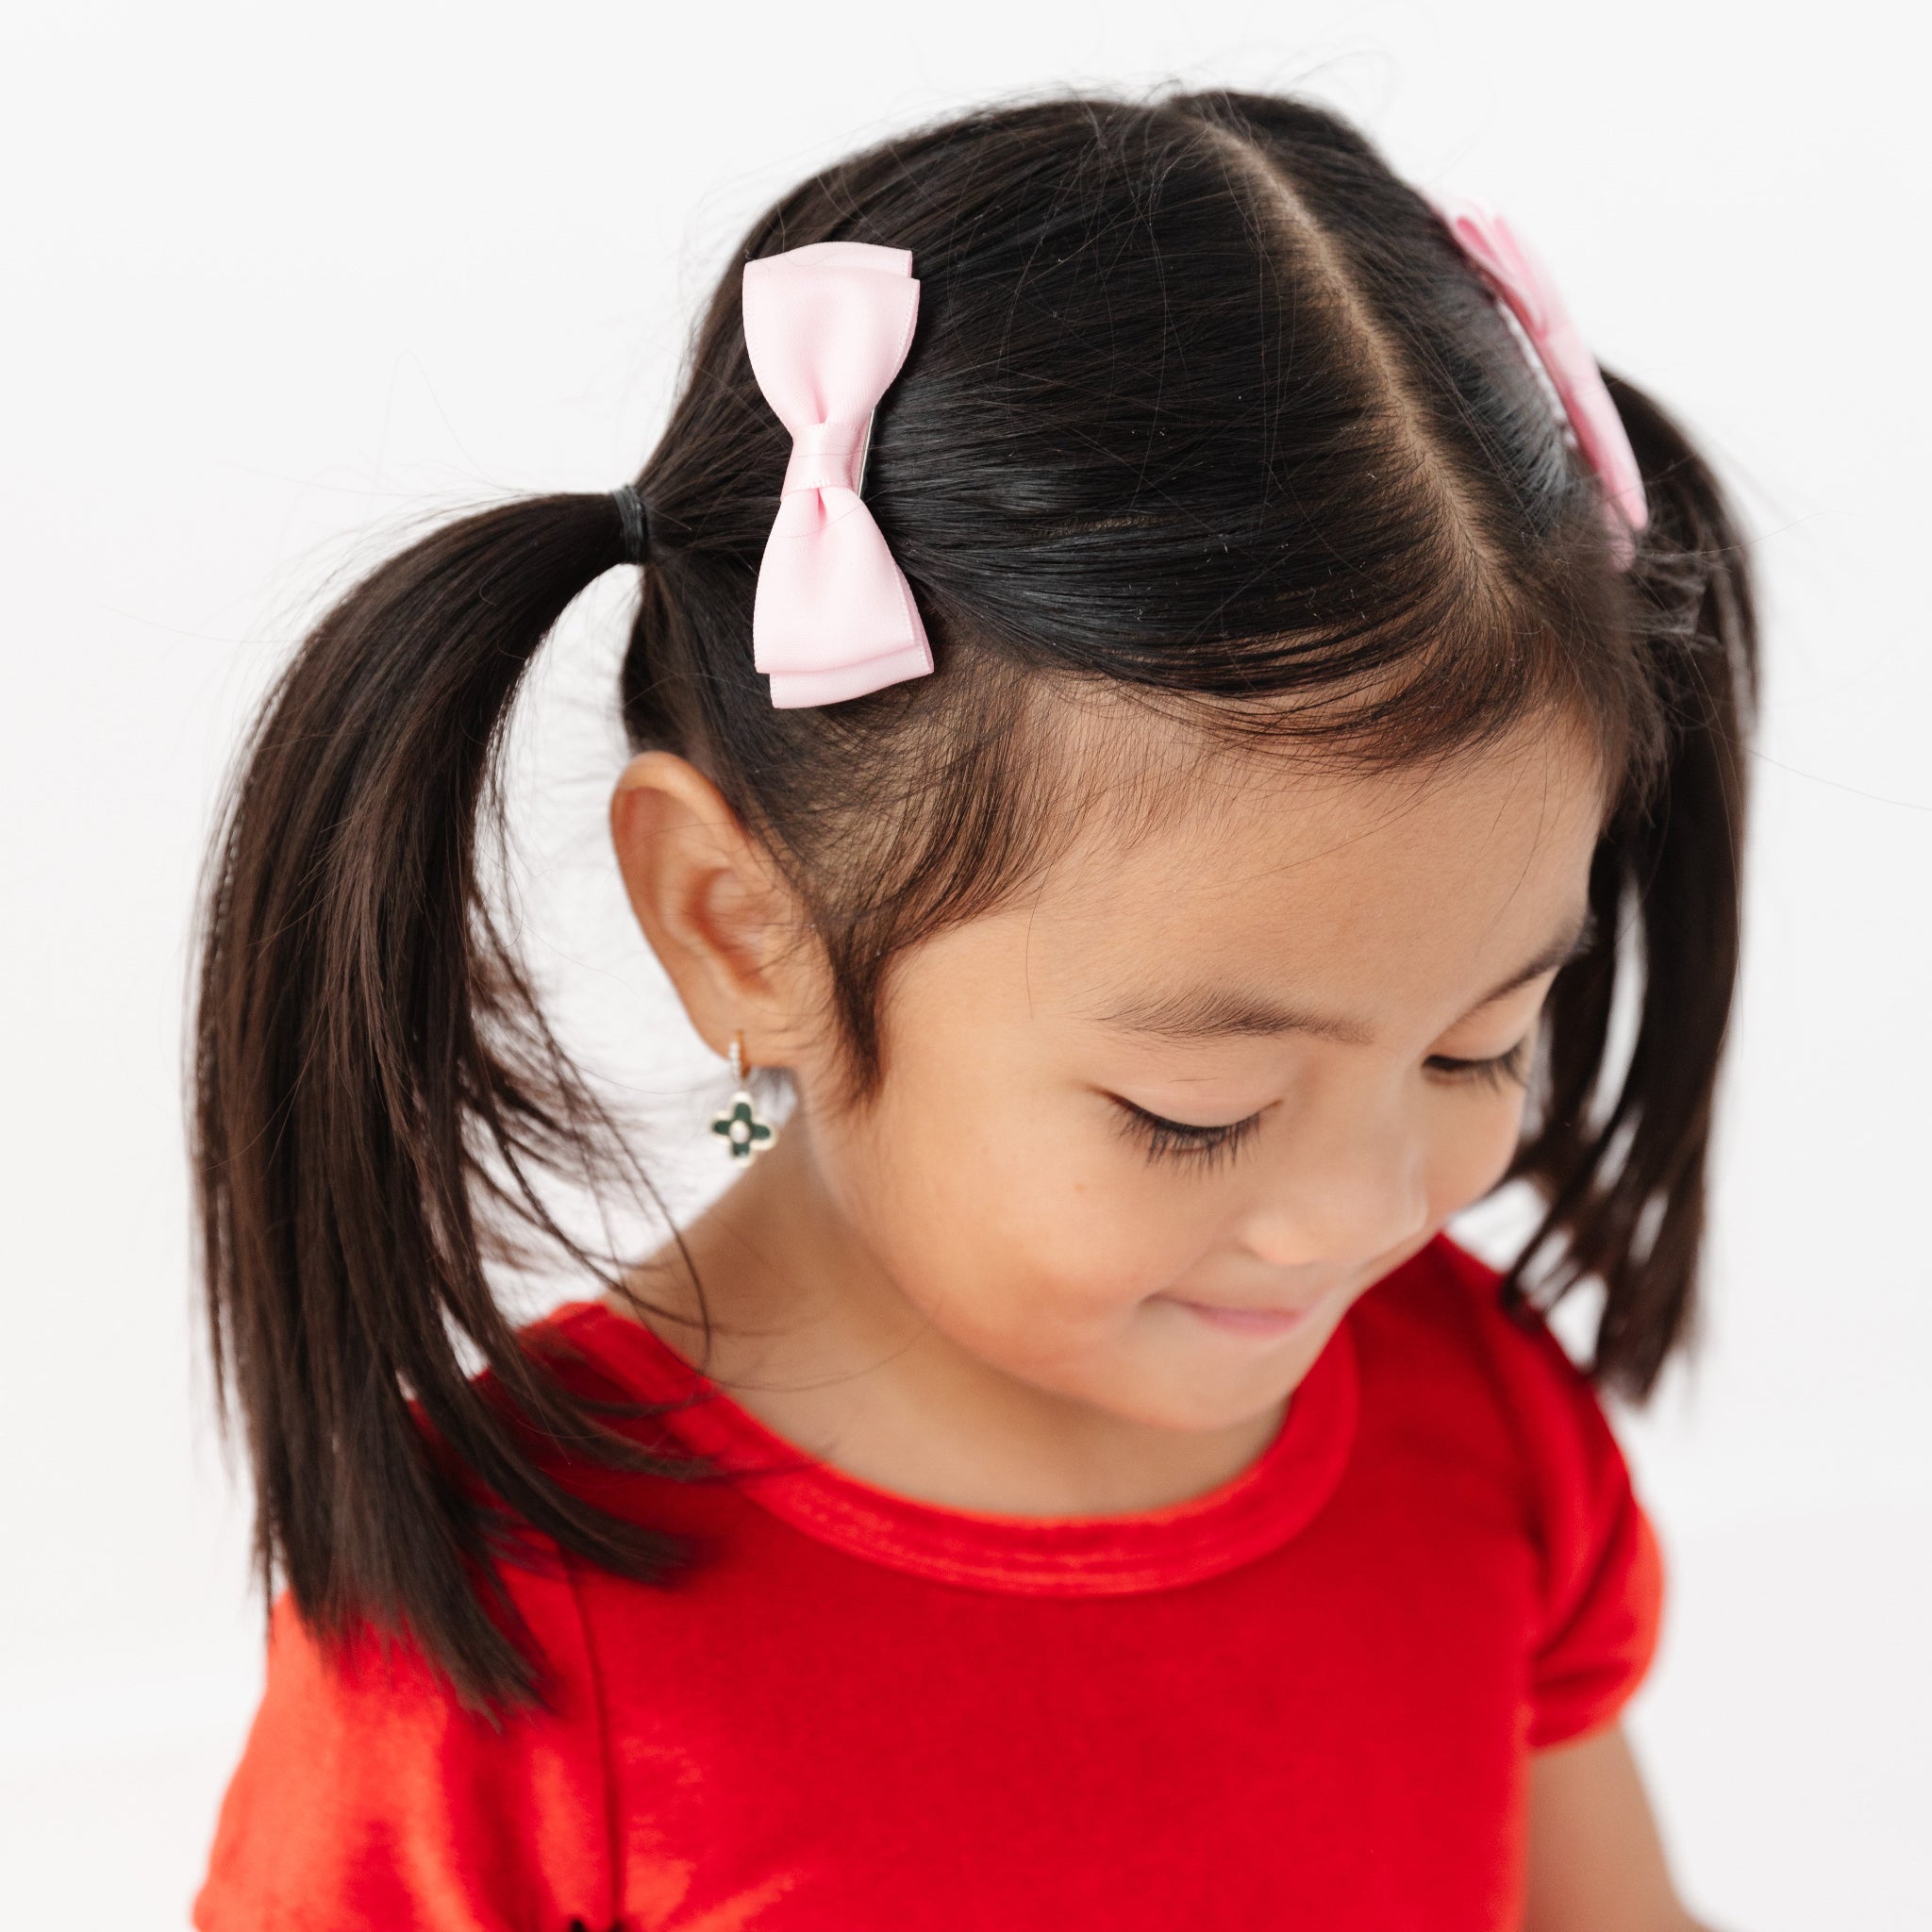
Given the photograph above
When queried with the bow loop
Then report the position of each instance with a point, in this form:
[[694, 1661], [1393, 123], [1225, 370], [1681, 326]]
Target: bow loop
[[1526, 289], [826, 327]]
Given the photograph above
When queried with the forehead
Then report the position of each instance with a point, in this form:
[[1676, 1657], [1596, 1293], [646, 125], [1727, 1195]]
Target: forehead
[[1272, 874]]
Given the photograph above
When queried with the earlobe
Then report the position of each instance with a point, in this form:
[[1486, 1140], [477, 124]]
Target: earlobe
[[706, 895]]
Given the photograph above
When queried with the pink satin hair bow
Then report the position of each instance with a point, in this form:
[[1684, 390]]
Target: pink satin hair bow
[[1524, 286], [827, 326]]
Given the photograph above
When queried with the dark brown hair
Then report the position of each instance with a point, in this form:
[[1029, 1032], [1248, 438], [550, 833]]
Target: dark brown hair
[[1206, 408]]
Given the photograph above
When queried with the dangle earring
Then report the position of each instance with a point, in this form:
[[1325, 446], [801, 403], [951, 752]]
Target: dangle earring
[[744, 1133]]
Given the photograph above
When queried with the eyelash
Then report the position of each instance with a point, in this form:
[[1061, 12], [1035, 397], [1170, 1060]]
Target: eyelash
[[1166, 1139], [1502, 1070]]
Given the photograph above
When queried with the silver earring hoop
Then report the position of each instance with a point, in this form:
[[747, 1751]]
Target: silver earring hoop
[[745, 1131]]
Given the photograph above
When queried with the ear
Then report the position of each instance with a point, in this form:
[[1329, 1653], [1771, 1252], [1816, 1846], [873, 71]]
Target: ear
[[717, 912]]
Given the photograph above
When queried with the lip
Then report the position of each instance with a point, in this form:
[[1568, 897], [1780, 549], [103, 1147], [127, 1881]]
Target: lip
[[1261, 1323]]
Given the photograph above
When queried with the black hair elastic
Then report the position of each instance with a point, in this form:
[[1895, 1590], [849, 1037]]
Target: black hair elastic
[[631, 513]]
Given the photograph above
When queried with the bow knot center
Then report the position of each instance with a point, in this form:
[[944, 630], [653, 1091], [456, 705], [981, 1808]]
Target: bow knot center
[[825, 456]]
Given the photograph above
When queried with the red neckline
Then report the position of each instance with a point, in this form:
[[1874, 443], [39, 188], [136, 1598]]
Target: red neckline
[[1268, 1503]]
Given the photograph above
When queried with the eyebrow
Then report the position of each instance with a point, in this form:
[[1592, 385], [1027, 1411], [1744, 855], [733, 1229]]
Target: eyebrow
[[1215, 1012]]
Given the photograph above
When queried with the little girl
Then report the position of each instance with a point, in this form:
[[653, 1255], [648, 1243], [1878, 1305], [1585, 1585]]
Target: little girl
[[1196, 732]]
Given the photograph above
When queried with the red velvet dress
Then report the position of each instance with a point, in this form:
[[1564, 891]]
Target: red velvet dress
[[1307, 1699]]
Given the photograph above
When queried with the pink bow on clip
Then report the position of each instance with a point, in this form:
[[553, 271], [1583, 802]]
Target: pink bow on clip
[[827, 326], [1526, 288]]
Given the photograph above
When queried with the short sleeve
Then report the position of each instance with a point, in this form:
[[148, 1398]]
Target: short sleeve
[[1600, 1594], [367, 1796], [1602, 1570], [1604, 1636]]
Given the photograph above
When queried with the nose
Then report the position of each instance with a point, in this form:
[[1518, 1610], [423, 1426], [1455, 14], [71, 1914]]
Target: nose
[[1339, 1194]]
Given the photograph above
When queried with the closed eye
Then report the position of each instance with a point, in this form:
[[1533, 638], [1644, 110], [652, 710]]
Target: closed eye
[[1510, 1069], [1165, 1139]]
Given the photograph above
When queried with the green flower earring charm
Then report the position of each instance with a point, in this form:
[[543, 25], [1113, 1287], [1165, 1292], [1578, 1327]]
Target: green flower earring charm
[[744, 1133]]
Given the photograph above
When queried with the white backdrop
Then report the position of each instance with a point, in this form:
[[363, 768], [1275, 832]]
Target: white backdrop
[[277, 278]]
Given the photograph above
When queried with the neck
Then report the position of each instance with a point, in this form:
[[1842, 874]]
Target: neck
[[815, 1337]]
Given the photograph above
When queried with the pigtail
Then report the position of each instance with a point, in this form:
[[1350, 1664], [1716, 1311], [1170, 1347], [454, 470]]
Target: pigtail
[[375, 1090], [1625, 1173]]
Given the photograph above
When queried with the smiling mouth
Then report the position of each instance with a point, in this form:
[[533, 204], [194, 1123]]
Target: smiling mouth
[[1261, 1323]]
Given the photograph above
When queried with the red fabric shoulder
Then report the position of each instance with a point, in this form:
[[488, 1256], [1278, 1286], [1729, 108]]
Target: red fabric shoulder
[[367, 1796], [1602, 1570]]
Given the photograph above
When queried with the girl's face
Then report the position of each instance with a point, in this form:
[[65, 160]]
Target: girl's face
[[1144, 1135]]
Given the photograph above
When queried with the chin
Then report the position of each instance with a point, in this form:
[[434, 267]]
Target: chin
[[1223, 1396]]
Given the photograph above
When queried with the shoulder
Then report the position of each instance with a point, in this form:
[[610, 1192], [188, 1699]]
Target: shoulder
[[367, 1790], [1443, 1315], [1439, 1330], [1507, 1390], [369, 1793]]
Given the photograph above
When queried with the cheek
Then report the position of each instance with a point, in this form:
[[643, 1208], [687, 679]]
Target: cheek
[[1472, 1141], [1026, 1229]]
